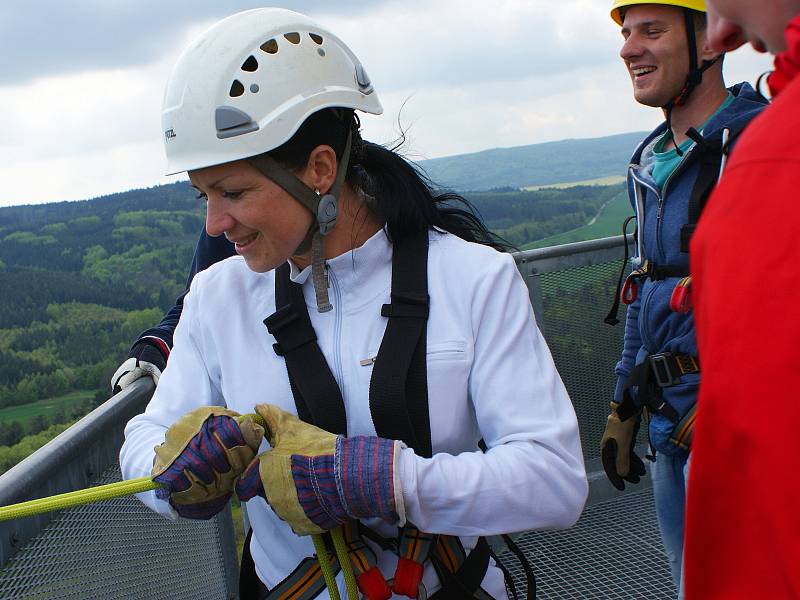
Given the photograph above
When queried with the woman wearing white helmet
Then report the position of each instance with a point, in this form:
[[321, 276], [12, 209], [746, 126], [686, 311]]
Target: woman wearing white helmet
[[391, 325]]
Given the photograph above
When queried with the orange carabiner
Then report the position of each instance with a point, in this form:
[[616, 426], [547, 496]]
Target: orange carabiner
[[630, 290]]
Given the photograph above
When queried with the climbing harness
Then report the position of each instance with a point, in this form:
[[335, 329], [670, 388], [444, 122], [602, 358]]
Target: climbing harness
[[712, 158], [398, 399]]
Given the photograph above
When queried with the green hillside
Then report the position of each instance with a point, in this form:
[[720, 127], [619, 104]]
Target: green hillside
[[607, 223], [535, 165]]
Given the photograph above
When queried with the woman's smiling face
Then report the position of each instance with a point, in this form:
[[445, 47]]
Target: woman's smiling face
[[265, 224]]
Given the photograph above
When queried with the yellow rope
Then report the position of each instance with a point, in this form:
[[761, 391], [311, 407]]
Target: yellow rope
[[77, 498], [344, 561], [324, 561]]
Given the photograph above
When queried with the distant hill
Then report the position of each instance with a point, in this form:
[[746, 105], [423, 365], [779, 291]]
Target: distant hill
[[537, 164]]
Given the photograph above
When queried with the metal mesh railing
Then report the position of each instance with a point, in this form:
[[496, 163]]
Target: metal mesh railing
[[112, 549], [573, 290], [585, 349], [118, 549]]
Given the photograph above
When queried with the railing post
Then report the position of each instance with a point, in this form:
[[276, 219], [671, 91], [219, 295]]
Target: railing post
[[531, 277], [69, 462], [227, 538]]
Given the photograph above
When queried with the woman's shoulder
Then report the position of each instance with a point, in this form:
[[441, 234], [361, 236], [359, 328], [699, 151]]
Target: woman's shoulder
[[228, 278], [450, 253]]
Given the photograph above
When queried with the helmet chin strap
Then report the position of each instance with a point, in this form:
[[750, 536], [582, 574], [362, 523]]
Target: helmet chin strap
[[325, 208], [694, 78]]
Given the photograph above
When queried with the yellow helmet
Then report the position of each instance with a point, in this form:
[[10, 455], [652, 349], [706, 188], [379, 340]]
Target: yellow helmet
[[698, 5]]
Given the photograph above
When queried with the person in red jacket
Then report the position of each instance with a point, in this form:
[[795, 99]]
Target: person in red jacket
[[743, 524]]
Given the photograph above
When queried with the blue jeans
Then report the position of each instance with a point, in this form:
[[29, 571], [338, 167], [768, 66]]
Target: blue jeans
[[670, 474]]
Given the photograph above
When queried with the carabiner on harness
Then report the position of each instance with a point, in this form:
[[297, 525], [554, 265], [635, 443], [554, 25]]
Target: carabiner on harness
[[630, 289], [681, 299]]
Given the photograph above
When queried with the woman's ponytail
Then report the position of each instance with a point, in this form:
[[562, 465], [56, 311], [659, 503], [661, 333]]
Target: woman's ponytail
[[406, 200]]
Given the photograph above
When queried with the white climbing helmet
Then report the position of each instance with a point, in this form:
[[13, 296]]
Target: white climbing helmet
[[248, 83]]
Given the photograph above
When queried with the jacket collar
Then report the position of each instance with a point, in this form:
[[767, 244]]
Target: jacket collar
[[747, 103], [358, 272]]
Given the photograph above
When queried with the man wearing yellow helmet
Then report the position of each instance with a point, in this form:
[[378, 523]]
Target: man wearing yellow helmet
[[672, 67]]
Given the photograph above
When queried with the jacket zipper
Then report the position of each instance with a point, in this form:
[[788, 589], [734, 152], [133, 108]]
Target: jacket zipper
[[643, 314], [337, 334], [644, 210]]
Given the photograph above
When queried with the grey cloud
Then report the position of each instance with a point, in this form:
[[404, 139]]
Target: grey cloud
[[39, 39], [469, 58]]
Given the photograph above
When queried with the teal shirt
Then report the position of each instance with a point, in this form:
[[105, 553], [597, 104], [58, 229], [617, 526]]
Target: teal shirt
[[666, 162]]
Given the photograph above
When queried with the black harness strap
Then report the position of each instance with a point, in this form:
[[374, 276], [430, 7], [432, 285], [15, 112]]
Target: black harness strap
[[530, 576], [316, 393], [656, 372], [710, 165], [398, 391], [612, 318], [466, 581]]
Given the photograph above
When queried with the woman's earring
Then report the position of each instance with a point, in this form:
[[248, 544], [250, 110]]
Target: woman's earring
[[316, 191]]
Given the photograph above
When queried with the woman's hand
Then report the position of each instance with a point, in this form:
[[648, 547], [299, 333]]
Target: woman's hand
[[203, 455], [315, 480]]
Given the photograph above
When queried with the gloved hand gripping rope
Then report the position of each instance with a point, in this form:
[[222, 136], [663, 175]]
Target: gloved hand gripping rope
[[190, 483]]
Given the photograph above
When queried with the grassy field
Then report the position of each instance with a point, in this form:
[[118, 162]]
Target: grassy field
[[26, 412], [611, 180], [608, 223]]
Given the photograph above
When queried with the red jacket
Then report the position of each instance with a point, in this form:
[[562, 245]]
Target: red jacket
[[743, 503]]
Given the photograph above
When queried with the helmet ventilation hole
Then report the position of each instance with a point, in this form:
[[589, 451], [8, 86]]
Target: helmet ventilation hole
[[254, 88], [316, 37], [293, 37], [270, 46], [250, 65], [237, 89], [320, 51]]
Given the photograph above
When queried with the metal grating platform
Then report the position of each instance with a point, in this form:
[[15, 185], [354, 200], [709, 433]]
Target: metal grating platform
[[613, 552]]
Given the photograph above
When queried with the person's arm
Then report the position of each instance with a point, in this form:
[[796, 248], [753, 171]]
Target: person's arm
[[532, 475], [149, 354], [186, 385], [632, 343]]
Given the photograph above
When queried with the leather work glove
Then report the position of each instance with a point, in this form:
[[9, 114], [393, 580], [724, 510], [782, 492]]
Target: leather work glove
[[203, 455], [315, 480], [144, 360], [616, 450]]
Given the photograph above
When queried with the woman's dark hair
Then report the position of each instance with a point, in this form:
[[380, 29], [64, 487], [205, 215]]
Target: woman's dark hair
[[397, 191]]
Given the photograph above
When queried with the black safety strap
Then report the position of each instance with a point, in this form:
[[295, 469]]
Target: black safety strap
[[466, 581], [656, 372], [612, 318], [710, 164], [316, 393], [398, 391], [662, 272], [530, 576]]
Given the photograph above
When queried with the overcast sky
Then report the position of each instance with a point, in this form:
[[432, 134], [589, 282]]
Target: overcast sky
[[81, 81]]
